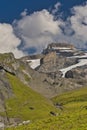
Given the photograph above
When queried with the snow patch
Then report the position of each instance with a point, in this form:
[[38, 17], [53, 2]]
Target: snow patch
[[61, 48], [34, 63], [83, 56], [82, 62], [66, 50]]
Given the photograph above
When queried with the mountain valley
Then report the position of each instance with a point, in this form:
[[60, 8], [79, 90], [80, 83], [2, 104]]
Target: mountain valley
[[43, 88]]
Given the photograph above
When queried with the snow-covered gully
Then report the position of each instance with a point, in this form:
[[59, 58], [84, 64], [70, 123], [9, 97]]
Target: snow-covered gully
[[81, 62]]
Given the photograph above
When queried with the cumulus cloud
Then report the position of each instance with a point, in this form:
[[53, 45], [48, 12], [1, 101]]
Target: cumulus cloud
[[79, 22], [75, 27], [38, 29], [33, 32], [24, 13], [56, 8], [8, 41]]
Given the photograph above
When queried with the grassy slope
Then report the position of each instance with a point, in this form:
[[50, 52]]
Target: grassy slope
[[24, 99], [72, 117]]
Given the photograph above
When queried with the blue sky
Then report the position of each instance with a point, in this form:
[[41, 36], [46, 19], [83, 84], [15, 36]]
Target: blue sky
[[28, 26], [11, 9]]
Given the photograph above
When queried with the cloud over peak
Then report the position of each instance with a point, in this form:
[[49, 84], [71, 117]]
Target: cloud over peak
[[38, 29], [34, 31]]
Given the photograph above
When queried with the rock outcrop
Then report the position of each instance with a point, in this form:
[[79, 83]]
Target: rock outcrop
[[52, 62], [64, 49], [69, 74], [48, 63], [80, 72]]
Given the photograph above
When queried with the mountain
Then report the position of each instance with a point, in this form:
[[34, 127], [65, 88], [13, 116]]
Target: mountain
[[60, 64], [18, 102], [64, 49], [30, 87]]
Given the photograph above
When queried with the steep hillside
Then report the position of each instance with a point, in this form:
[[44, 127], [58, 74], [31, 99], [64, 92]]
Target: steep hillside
[[72, 114], [18, 101], [25, 103]]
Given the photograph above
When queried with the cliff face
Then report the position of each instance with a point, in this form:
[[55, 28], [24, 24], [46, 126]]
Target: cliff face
[[60, 48], [48, 63], [52, 62]]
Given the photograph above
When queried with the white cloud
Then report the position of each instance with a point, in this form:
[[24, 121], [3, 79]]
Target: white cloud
[[56, 8], [24, 13], [8, 41], [79, 22], [75, 27], [38, 29]]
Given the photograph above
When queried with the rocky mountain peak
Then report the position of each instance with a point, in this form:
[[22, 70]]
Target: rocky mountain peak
[[59, 47]]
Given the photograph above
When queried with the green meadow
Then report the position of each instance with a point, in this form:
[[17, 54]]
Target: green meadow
[[72, 116], [25, 103]]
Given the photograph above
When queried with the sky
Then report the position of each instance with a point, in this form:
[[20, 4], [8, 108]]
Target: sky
[[27, 27]]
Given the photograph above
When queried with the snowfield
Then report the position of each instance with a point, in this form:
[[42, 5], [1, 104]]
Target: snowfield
[[34, 63], [82, 62], [83, 56], [66, 50], [61, 48]]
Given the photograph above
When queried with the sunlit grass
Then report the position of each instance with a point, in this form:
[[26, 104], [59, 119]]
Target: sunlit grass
[[72, 117], [26, 103]]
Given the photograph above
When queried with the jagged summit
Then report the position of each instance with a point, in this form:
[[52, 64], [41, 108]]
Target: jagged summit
[[59, 48], [60, 45]]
